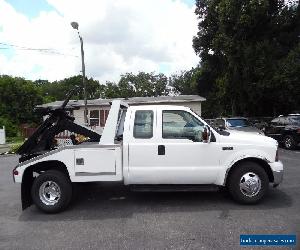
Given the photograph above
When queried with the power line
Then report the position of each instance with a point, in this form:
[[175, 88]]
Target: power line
[[21, 47], [49, 51]]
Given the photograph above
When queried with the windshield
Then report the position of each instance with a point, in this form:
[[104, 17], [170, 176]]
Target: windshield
[[238, 122], [295, 119]]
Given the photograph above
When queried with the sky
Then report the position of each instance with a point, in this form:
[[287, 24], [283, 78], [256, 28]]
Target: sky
[[38, 42]]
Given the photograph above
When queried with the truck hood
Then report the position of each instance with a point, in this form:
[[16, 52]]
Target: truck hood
[[248, 129], [241, 137]]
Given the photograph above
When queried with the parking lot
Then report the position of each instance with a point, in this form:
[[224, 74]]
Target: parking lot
[[112, 217]]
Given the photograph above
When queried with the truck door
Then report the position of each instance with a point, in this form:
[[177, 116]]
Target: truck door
[[142, 145], [171, 150]]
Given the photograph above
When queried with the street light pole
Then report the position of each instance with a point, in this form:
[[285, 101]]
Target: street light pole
[[75, 25], [83, 81]]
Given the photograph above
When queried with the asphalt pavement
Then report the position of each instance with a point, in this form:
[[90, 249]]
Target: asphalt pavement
[[112, 217]]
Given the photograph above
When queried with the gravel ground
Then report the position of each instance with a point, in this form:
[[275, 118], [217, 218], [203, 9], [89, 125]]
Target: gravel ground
[[111, 217]]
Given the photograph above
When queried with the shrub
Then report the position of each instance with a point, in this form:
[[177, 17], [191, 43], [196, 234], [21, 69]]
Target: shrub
[[11, 129], [15, 147]]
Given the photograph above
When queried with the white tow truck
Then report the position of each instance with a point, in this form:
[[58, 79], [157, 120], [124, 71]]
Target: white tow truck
[[151, 148]]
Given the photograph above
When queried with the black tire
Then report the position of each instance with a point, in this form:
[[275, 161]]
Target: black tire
[[61, 182], [289, 142], [238, 175]]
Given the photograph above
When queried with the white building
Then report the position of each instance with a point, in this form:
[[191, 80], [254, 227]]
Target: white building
[[98, 109]]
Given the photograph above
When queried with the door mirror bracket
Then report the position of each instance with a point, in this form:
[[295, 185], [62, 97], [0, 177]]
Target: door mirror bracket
[[206, 134]]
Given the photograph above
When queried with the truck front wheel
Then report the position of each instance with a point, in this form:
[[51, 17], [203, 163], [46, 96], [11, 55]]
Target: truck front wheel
[[248, 183], [51, 191]]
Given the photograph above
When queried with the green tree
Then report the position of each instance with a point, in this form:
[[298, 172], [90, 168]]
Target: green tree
[[129, 85], [143, 84], [11, 129], [58, 90], [287, 83], [18, 99], [185, 83], [241, 45], [111, 90]]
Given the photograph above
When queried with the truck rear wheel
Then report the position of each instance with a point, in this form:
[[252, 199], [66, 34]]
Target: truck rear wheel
[[51, 191], [248, 183]]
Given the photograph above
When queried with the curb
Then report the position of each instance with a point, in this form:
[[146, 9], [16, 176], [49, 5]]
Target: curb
[[7, 154]]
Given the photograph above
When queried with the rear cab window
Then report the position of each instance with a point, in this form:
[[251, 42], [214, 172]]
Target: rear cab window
[[143, 124]]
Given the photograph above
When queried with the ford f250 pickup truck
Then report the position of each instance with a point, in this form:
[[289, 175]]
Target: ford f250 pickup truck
[[147, 147]]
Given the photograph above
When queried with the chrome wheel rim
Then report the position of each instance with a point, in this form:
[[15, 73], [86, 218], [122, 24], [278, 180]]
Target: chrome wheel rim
[[288, 142], [49, 193], [250, 184]]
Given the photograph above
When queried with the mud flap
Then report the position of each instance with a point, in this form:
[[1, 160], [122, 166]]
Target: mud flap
[[26, 190]]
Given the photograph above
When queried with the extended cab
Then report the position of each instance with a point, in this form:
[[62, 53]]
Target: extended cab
[[159, 147]]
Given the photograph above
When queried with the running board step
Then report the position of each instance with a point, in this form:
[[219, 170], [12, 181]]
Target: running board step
[[174, 188]]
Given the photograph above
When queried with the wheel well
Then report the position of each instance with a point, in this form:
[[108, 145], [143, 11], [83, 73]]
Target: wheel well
[[288, 134], [285, 133], [260, 162], [47, 165], [28, 178]]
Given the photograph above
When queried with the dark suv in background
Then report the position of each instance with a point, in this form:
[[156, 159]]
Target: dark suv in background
[[286, 130], [237, 124]]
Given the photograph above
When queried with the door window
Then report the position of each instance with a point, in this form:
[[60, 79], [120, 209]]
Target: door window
[[143, 124], [178, 124]]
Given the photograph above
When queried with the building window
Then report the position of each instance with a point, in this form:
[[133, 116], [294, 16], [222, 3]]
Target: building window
[[98, 117], [94, 118], [143, 124], [103, 117]]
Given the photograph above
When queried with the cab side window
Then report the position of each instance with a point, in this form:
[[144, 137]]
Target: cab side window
[[178, 124], [143, 124]]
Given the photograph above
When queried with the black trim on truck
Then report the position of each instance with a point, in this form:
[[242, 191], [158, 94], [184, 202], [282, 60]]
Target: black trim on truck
[[26, 185]]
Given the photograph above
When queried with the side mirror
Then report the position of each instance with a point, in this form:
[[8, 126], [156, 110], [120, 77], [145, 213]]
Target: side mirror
[[206, 134]]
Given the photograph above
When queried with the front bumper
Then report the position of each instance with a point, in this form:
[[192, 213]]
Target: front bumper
[[278, 177], [277, 169]]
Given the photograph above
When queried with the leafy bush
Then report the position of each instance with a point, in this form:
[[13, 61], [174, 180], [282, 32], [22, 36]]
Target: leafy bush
[[11, 129], [15, 147]]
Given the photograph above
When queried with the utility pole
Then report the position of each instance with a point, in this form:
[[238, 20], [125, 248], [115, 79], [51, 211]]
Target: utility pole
[[75, 25]]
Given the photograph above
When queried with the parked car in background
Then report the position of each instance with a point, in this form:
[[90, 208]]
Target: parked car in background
[[261, 122], [211, 122], [237, 123], [286, 130]]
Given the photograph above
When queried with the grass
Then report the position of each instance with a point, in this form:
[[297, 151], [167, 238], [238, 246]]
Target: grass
[[14, 143], [14, 140], [14, 147]]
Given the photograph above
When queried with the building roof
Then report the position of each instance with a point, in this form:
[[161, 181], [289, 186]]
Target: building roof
[[130, 101]]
